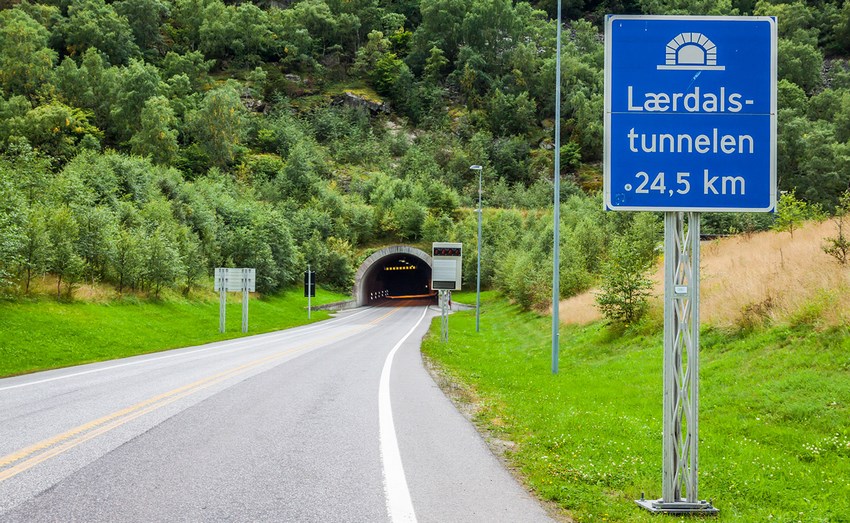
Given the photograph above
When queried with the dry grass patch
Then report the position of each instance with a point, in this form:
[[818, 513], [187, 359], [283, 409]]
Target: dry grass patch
[[748, 280]]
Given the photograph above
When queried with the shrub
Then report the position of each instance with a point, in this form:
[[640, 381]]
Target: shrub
[[624, 295]]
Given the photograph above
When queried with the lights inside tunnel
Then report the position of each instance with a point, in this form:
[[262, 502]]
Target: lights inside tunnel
[[392, 273]]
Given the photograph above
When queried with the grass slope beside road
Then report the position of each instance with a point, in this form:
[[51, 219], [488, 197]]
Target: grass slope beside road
[[774, 414], [45, 334]]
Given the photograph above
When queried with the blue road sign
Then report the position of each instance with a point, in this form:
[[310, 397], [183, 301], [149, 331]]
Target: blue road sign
[[690, 113]]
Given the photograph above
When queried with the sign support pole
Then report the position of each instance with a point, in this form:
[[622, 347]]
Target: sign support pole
[[556, 242], [444, 316], [681, 369], [244, 300], [309, 292], [222, 303]]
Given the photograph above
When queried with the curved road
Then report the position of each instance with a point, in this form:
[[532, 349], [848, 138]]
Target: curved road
[[335, 421]]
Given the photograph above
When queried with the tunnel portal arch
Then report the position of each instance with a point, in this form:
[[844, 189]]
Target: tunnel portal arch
[[366, 278]]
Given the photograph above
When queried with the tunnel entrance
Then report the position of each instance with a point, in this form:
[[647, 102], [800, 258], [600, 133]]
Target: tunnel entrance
[[393, 272]]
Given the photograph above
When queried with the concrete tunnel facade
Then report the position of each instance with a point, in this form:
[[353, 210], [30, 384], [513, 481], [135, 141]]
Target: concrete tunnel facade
[[397, 270]]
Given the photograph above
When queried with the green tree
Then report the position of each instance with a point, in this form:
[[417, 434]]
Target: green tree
[[96, 240], [157, 136], [138, 82], [32, 170], [11, 220], [791, 97], [127, 264], [818, 167], [26, 61], [686, 7], [247, 248], [839, 246], [219, 125], [379, 63], [299, 179], [841, 28], [145, 18], [435, 66], [357, 220], [338, 270], [239, 31], [274, 229], [510, 115], [54, 129], [64, 263], [792, 212], [441, 28], [192, 259], [184, 25], [35, 248], [624, 294], [192, 64], [94, 23], [798, 20], [162, 263], [93, 85], [800, 63], [406, 219]]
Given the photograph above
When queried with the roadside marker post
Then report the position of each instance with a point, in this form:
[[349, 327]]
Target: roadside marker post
[[309, 289], [690, 127], [234, 280]]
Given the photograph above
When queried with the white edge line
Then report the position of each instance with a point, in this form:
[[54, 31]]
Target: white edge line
[[185, 353], [399, 504]]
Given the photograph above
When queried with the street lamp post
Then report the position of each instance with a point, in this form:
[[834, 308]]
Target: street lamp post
[[478, 272], [556, 243]]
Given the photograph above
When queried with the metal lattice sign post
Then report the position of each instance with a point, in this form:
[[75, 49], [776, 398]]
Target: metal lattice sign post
[[690, 127], [234, 280]]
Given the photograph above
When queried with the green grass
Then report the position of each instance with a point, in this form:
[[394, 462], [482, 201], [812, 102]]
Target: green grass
[[774, 414], [45, 334]]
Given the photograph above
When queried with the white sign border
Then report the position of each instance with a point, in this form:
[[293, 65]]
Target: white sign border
[[606, 143]]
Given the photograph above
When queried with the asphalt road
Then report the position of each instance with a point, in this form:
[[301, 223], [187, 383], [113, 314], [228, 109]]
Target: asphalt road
[[336, 421]]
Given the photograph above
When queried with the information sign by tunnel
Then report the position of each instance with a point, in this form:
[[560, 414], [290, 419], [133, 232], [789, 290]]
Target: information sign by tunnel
[[393, 272]]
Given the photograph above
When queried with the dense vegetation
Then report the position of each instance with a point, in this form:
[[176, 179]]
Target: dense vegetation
[[143, 142]]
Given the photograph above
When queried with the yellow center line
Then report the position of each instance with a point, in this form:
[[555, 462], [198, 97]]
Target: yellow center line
[[385, 316], [85, 432], [56, 445]]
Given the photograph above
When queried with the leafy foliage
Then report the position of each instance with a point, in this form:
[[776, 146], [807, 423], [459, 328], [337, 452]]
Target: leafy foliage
[[219, 133], [839, 246]]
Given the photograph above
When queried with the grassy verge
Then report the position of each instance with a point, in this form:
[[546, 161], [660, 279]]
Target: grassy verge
[[774, 420], [44, 334]]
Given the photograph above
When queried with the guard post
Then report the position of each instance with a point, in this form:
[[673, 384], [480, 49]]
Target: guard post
[[309, 289], [690, 127]]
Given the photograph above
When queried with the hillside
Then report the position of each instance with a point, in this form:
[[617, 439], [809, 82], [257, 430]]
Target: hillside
[[751, 279], [145, 142]]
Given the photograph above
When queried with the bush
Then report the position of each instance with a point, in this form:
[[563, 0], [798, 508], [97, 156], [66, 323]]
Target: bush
[[624, 295]]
